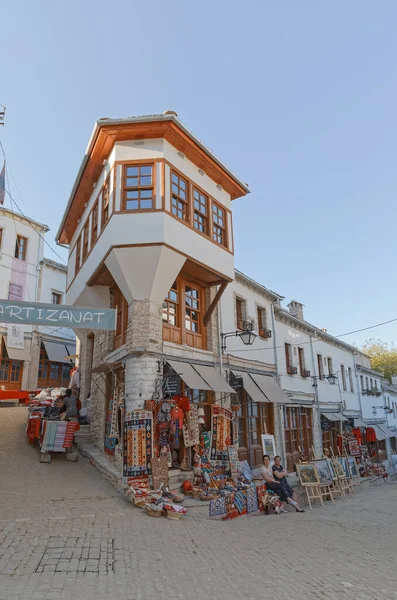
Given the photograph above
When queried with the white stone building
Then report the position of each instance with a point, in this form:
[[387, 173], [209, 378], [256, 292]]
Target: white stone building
[[26, 275]]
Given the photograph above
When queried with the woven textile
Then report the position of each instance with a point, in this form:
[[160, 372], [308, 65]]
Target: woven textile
[[217, 508], [221, 433], [240, 501], [159, 471], [71, 428], [138, 443], [234, 462], [252, 500], [191, 431]]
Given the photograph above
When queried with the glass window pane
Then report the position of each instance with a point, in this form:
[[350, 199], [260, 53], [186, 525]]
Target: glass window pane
[[173, 296], [132, 171], [146, 170], [182, 195], [175, 188], [175, 178], [146, 193], [146, 181], [132, 181], [254, 437], [146, 204], [132, 194], [182, 184], [132, 204], [254, 408]]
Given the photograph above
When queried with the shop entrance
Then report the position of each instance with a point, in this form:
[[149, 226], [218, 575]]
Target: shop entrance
[[298, 428], [254, 418]]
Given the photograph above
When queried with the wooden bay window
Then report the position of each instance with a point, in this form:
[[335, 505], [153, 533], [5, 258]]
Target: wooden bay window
[[120, 304], [179, 197], [200, 211], [218, 224], [94, 224], [85, 239], [182, 314], [105, 203], [138, 187]]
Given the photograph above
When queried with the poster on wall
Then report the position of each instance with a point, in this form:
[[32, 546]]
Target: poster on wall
[[15, 336], [269, 446]]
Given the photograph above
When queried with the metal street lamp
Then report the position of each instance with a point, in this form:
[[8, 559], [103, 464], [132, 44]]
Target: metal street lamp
[[332, 379], [247, 336]]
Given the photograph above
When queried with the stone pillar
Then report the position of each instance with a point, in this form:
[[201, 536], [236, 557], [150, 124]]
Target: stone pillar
[[103, 345], [31, 368], [144, 341], [279, 438], [317, 436]]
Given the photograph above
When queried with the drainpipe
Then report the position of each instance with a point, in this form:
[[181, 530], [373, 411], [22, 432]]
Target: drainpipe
[[358, 385], [283, 451], [317, 401]]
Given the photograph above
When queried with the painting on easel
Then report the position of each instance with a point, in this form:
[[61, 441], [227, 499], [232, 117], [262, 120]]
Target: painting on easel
[[307, 474], [323, 470]]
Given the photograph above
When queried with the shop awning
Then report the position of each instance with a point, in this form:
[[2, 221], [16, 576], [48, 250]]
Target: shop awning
[[388, 432], [359, 423], [269, 386], [214, 379], [380, 435], [17, 353], [191, 377], [71, 349], [250, 387], [330, 417], [55, 352], [334, 417]]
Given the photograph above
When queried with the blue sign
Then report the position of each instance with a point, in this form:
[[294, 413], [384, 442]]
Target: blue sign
[[75, 317]]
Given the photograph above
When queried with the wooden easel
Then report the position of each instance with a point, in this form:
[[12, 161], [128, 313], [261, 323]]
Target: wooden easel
[[315, 493], [326, 490], [343, 482]]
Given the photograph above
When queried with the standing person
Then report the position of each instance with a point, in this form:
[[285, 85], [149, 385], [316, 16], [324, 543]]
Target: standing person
[[284, 492], [71, 404]]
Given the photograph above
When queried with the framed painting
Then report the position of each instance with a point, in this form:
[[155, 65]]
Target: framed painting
[[338, 468], [307, 474], [332, 468], [323, 470], [269, 446], [352, 466], [345, 465]]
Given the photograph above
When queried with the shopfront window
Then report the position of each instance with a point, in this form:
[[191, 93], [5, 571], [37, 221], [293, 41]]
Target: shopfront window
[[10, 370], [52, 374], [254, 418], [298, 433]]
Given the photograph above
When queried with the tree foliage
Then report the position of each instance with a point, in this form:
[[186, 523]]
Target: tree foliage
[[383, 358]]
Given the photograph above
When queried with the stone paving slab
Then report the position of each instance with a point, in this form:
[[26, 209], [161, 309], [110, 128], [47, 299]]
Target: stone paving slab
[[66, 534]]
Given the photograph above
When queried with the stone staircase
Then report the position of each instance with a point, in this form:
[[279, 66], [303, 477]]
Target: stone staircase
[[83, 435]]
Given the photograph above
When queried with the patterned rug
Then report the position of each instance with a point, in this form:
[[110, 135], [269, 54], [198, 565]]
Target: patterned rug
[[138, 443], [191, 431], [240, 501], [221, 433], [234, 462], [252, 500], [217, 508]]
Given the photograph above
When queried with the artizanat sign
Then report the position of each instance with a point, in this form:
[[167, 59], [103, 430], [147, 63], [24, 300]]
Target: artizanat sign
[[35, 313]]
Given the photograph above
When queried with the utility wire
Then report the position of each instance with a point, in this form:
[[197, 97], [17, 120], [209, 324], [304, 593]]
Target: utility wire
[[27, 218], [272, 348]]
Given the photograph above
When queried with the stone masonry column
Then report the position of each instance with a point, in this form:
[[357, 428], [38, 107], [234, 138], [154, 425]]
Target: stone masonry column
[[317, 436], [144, 351]]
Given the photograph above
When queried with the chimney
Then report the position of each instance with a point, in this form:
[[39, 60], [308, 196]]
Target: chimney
[[296, 309]]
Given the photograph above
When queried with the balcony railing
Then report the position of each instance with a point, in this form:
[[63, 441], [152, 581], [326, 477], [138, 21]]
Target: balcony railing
[[305, 373], [292, 370]]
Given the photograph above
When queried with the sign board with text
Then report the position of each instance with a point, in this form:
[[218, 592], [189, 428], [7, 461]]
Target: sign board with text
[[75, 317]]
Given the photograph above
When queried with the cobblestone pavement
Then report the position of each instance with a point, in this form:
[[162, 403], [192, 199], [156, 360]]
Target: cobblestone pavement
[[66, 533]]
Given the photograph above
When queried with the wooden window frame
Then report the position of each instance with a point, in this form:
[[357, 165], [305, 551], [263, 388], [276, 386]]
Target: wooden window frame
[[78, 255], [1, 237], [44, 378], [105, 206], [320, 367], [288, 355], [180, 334], [241, 306], [7, 367], [17, 252], [121, 305], [139, 188], [200, 218], [262, 322], [85, 233], [253, 418], [179, 199], [94, 223], [351, 384], [165, 311], [330, 366], [56, 295], [298, 431], [302, 363], [223, 229]]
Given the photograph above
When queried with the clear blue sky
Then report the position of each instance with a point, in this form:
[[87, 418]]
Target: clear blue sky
[[297, 97]]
